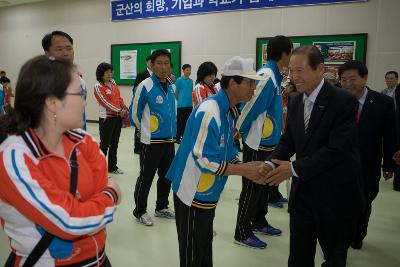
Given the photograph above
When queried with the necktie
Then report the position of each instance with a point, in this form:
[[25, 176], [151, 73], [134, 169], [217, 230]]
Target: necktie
[[307, 112], [359, 113]]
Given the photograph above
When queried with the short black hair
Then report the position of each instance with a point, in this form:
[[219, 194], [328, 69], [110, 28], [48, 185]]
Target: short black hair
[[4, 79], [160, 52], [278, 45], [185, 66], [354, 65], [148, 58], [314, 55], [392, 72], [225, 80], [2, 72], [101, 69], [46, 41], [205, 69]]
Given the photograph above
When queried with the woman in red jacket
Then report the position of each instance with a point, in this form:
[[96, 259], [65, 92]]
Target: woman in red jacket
[[55, 197], [112, 109]]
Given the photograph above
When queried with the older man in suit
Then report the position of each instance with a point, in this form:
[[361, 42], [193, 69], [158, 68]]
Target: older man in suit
[[376, 131], [325, 197]]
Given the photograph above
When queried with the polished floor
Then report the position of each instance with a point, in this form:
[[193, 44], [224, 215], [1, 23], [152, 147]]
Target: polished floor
[[130, 244]]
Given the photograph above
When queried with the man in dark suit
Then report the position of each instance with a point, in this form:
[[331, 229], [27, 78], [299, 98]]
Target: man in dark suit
[[377, 134], [140, 78], [396, 179], [325, 195]]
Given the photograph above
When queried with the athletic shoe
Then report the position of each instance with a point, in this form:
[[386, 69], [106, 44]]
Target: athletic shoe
[[252, 242], [145, 219], [165, 213], [268, 230]]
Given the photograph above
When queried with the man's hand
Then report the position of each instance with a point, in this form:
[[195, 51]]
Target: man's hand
[[279, 174], [396, 157], [387, 175], [255, 171]]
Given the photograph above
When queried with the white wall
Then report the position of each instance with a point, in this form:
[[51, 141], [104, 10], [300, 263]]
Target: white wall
[[213, 37]]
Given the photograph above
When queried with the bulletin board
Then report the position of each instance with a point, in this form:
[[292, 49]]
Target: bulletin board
[[336, 49], [129, 60]]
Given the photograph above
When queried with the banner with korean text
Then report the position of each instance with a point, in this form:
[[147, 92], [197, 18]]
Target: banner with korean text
[[141, 9]]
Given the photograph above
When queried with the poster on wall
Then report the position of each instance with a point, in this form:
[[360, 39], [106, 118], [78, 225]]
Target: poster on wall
[[336, 53], [128, 60]]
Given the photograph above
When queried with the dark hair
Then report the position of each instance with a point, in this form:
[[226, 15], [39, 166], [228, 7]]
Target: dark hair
[[392, 72], [4, 79], [101, 69], [278, 45], [225, 80], [38, 79], [353, 65], [185, 66], [46, 41], [313, 53], [148, 58], [160, 52], [2, 72], [205, 69]]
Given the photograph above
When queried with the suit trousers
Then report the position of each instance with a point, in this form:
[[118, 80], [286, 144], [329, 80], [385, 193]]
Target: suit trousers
[[253, 205], [110, 131], [153, 158], [311, 221], [195, 234]]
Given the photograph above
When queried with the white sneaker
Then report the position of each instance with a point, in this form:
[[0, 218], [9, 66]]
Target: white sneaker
[[145, 219], [165, 213]]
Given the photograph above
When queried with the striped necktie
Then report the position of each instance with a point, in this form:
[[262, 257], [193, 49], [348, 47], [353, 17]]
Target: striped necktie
[[308, 104]]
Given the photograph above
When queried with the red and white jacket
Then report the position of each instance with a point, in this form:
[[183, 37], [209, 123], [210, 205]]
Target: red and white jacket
[[201, 91], [35, 192], [109, 99]]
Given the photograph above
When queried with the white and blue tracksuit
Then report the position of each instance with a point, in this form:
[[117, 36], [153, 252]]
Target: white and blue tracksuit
[[154, 112], [206, 149], [261, 124], [260, 120]]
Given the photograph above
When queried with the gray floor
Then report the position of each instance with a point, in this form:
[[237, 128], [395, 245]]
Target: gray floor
[[131, 244]]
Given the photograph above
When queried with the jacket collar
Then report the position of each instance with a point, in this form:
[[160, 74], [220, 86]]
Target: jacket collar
[[37, 147], [223, 101]]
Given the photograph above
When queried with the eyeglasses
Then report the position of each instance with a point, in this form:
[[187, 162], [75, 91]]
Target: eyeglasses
[[82, 94]]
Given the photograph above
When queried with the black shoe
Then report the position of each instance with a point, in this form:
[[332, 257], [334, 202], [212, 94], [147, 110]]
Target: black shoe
[[396, 188], [356, 244], [136, 151]]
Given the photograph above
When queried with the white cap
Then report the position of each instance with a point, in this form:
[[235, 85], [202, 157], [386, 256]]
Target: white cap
[[238, 66]]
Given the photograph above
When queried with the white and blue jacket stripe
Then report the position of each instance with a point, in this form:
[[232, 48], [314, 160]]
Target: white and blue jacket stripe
[[202, 158], [153, 111], [261, 118]]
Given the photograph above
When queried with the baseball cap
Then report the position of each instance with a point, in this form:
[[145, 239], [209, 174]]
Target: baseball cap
[[238, 66]]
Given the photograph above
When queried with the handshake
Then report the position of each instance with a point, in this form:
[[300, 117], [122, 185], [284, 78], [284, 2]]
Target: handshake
[[262, 173]]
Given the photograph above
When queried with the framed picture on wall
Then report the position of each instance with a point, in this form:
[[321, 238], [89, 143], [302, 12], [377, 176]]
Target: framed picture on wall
[[336, 49], [130, 59]]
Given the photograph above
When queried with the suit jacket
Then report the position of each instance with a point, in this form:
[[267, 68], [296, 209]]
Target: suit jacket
[[327, 156], [141, 77], [397, 99], [377, 139]]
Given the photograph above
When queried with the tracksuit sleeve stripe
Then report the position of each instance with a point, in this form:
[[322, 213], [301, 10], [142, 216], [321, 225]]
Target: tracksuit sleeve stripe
[[198, 149], [134, 112], [54, 208], [103, 101]]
